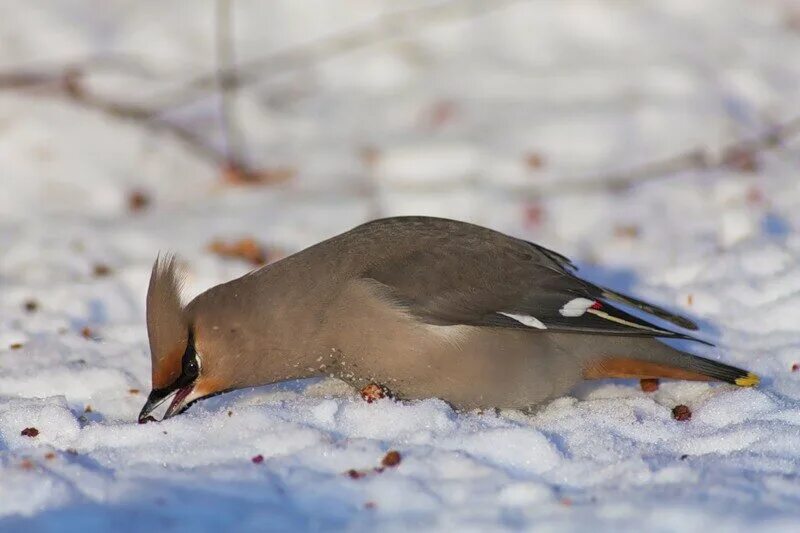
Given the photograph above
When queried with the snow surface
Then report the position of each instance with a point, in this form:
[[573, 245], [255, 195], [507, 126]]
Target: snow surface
[[452, 113]]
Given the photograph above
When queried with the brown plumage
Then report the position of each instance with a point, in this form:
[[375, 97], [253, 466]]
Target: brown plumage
[[167, 329], [424, 306]]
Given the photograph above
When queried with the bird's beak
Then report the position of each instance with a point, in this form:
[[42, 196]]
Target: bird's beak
[[156, 398], [180, 401]]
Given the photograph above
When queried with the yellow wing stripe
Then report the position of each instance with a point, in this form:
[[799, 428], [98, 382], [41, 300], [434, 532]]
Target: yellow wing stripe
[[603, 314]]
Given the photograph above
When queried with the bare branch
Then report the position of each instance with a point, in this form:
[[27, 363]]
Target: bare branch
[[383, 28], [226, 68], [66, 84], [697, 159]]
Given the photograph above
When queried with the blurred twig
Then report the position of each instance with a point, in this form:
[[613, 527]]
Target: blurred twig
[[127, 64], [735, 155], [383, 28], [49, 80], [67, 84], [67, 81], [226, 67]]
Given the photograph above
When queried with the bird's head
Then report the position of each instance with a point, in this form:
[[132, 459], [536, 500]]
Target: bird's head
[[184, 367]]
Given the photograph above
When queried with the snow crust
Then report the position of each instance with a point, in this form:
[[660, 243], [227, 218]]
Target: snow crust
[[454, 113]]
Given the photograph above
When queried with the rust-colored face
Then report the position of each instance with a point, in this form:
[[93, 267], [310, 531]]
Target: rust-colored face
[[178, 369], [168, 368]]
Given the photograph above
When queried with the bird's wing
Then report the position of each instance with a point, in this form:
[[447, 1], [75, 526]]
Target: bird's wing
[[498, 281]]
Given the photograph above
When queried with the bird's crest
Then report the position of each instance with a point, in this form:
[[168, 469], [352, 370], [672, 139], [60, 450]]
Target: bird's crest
[[167, 328]]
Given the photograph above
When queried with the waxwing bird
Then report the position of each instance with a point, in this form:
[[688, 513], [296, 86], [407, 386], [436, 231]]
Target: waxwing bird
[[426, 307]]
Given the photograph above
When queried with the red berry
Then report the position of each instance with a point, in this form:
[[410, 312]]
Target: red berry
[[681, 412], [649, 385], [392, 458], [29, 432]]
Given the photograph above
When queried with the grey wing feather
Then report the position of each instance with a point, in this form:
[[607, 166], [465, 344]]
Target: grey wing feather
[[569, 267], [482, 278]]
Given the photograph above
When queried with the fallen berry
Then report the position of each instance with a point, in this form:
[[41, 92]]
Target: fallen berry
[[138, 200], [373, 392], [649, 384], [355, 474], [681, 412], [391, 459], [101, 270], [533, 215], [258, 459], [247, 249], [441, 113], [236, 174], [534, 160], [29, 432], [742, 159]]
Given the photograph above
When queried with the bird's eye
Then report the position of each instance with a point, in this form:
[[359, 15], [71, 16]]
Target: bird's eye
[[190, 366]]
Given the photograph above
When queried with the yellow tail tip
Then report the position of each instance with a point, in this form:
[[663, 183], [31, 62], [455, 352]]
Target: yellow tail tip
[[750, 380]]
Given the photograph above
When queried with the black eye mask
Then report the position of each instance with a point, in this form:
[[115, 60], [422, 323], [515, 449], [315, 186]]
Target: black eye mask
[[190, 370], [190, 366]]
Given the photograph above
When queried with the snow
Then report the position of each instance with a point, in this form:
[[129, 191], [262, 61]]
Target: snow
[[451, 112]]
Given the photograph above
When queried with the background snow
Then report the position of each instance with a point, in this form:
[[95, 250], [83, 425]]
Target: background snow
[[451, 112]]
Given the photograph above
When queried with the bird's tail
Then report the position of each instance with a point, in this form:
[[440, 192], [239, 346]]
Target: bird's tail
[[661, 361]]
